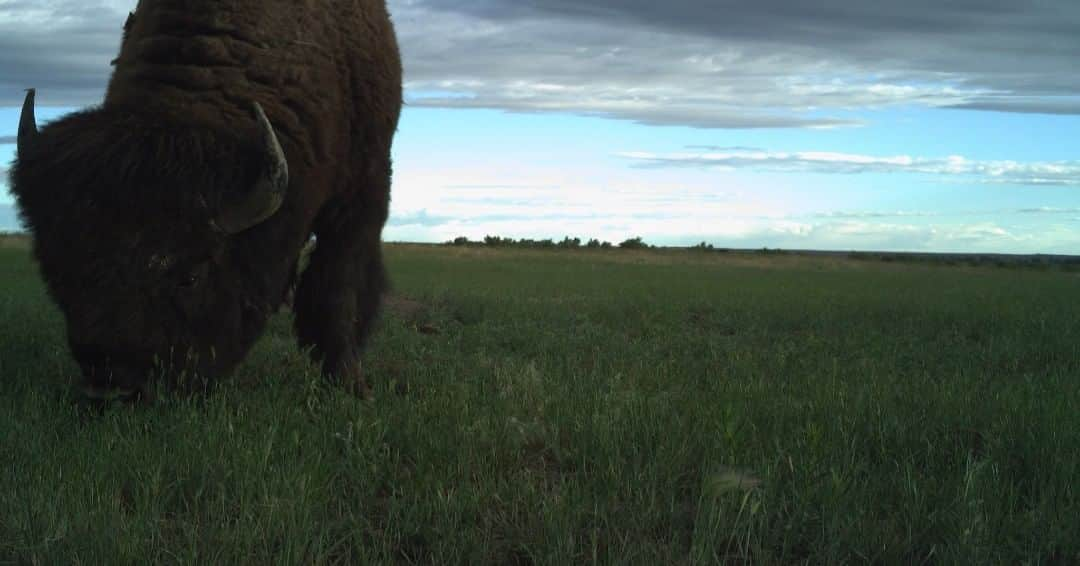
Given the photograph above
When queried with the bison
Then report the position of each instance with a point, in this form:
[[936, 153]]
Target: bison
[[168, 221]]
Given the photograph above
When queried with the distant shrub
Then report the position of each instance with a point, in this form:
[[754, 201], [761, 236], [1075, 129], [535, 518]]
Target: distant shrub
[[570, 243], [496, 241], [703, 247], [567, 243]]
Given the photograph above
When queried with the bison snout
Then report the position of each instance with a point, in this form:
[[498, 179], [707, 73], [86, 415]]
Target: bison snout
[[106, 378], [96, 393]]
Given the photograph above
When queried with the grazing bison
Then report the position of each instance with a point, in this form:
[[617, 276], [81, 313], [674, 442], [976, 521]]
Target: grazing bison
[[168, 221]]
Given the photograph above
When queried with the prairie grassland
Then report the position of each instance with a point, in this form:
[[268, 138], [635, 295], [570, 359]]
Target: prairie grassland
[[14, 241], [557, 407]]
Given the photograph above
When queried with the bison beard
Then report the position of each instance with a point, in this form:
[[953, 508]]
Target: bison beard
[[168, 221]]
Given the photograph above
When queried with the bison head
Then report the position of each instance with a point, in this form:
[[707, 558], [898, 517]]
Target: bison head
[[142, 230]]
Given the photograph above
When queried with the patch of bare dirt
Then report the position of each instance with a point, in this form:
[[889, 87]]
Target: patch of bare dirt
[[15, 241], [415, 314], [404, 307]]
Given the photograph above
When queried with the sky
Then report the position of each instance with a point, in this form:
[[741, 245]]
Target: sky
[[926, 125]]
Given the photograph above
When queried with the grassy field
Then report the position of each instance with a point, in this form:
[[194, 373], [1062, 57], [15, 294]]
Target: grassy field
[[653, 407]]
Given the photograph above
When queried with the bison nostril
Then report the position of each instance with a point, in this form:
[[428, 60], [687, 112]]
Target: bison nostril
[[98, 393], [107, 376]]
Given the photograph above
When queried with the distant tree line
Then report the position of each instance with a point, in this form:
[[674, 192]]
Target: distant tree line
[[566, 243], [569, 243]]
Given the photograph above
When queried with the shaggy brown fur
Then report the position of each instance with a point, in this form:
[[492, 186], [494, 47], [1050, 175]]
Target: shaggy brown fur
[[119, 198]]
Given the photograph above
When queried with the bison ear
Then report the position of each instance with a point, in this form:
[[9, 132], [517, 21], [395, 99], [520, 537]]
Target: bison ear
[[27, 123], [266, 195]]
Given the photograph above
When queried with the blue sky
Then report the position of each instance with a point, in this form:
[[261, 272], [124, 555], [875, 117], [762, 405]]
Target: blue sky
[[929, 129]]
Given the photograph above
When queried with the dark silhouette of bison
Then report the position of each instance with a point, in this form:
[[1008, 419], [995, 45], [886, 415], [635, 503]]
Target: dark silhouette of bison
[[168, 221]]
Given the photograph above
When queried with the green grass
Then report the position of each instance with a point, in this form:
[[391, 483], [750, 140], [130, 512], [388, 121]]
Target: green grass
[[575, 407]]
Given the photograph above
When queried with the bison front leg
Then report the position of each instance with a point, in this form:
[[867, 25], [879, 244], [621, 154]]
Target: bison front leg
[[337, 301]]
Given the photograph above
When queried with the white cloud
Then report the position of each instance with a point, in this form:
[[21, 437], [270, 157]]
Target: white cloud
[[736, 232], [937, 236], [1060, 173], [840, 214], [60, 47], [729, 65], [737, 64], [637, 73], [1049, 210], [440, 205]]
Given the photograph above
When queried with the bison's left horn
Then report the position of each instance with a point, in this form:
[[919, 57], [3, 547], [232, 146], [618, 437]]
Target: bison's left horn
[[266, 196], [27, 122]]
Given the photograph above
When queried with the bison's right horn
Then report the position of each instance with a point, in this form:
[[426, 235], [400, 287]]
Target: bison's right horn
[[27, 122], [268, 193]]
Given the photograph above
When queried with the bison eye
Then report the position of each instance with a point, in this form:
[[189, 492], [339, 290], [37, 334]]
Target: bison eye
[[189, 279], [161, 262]]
